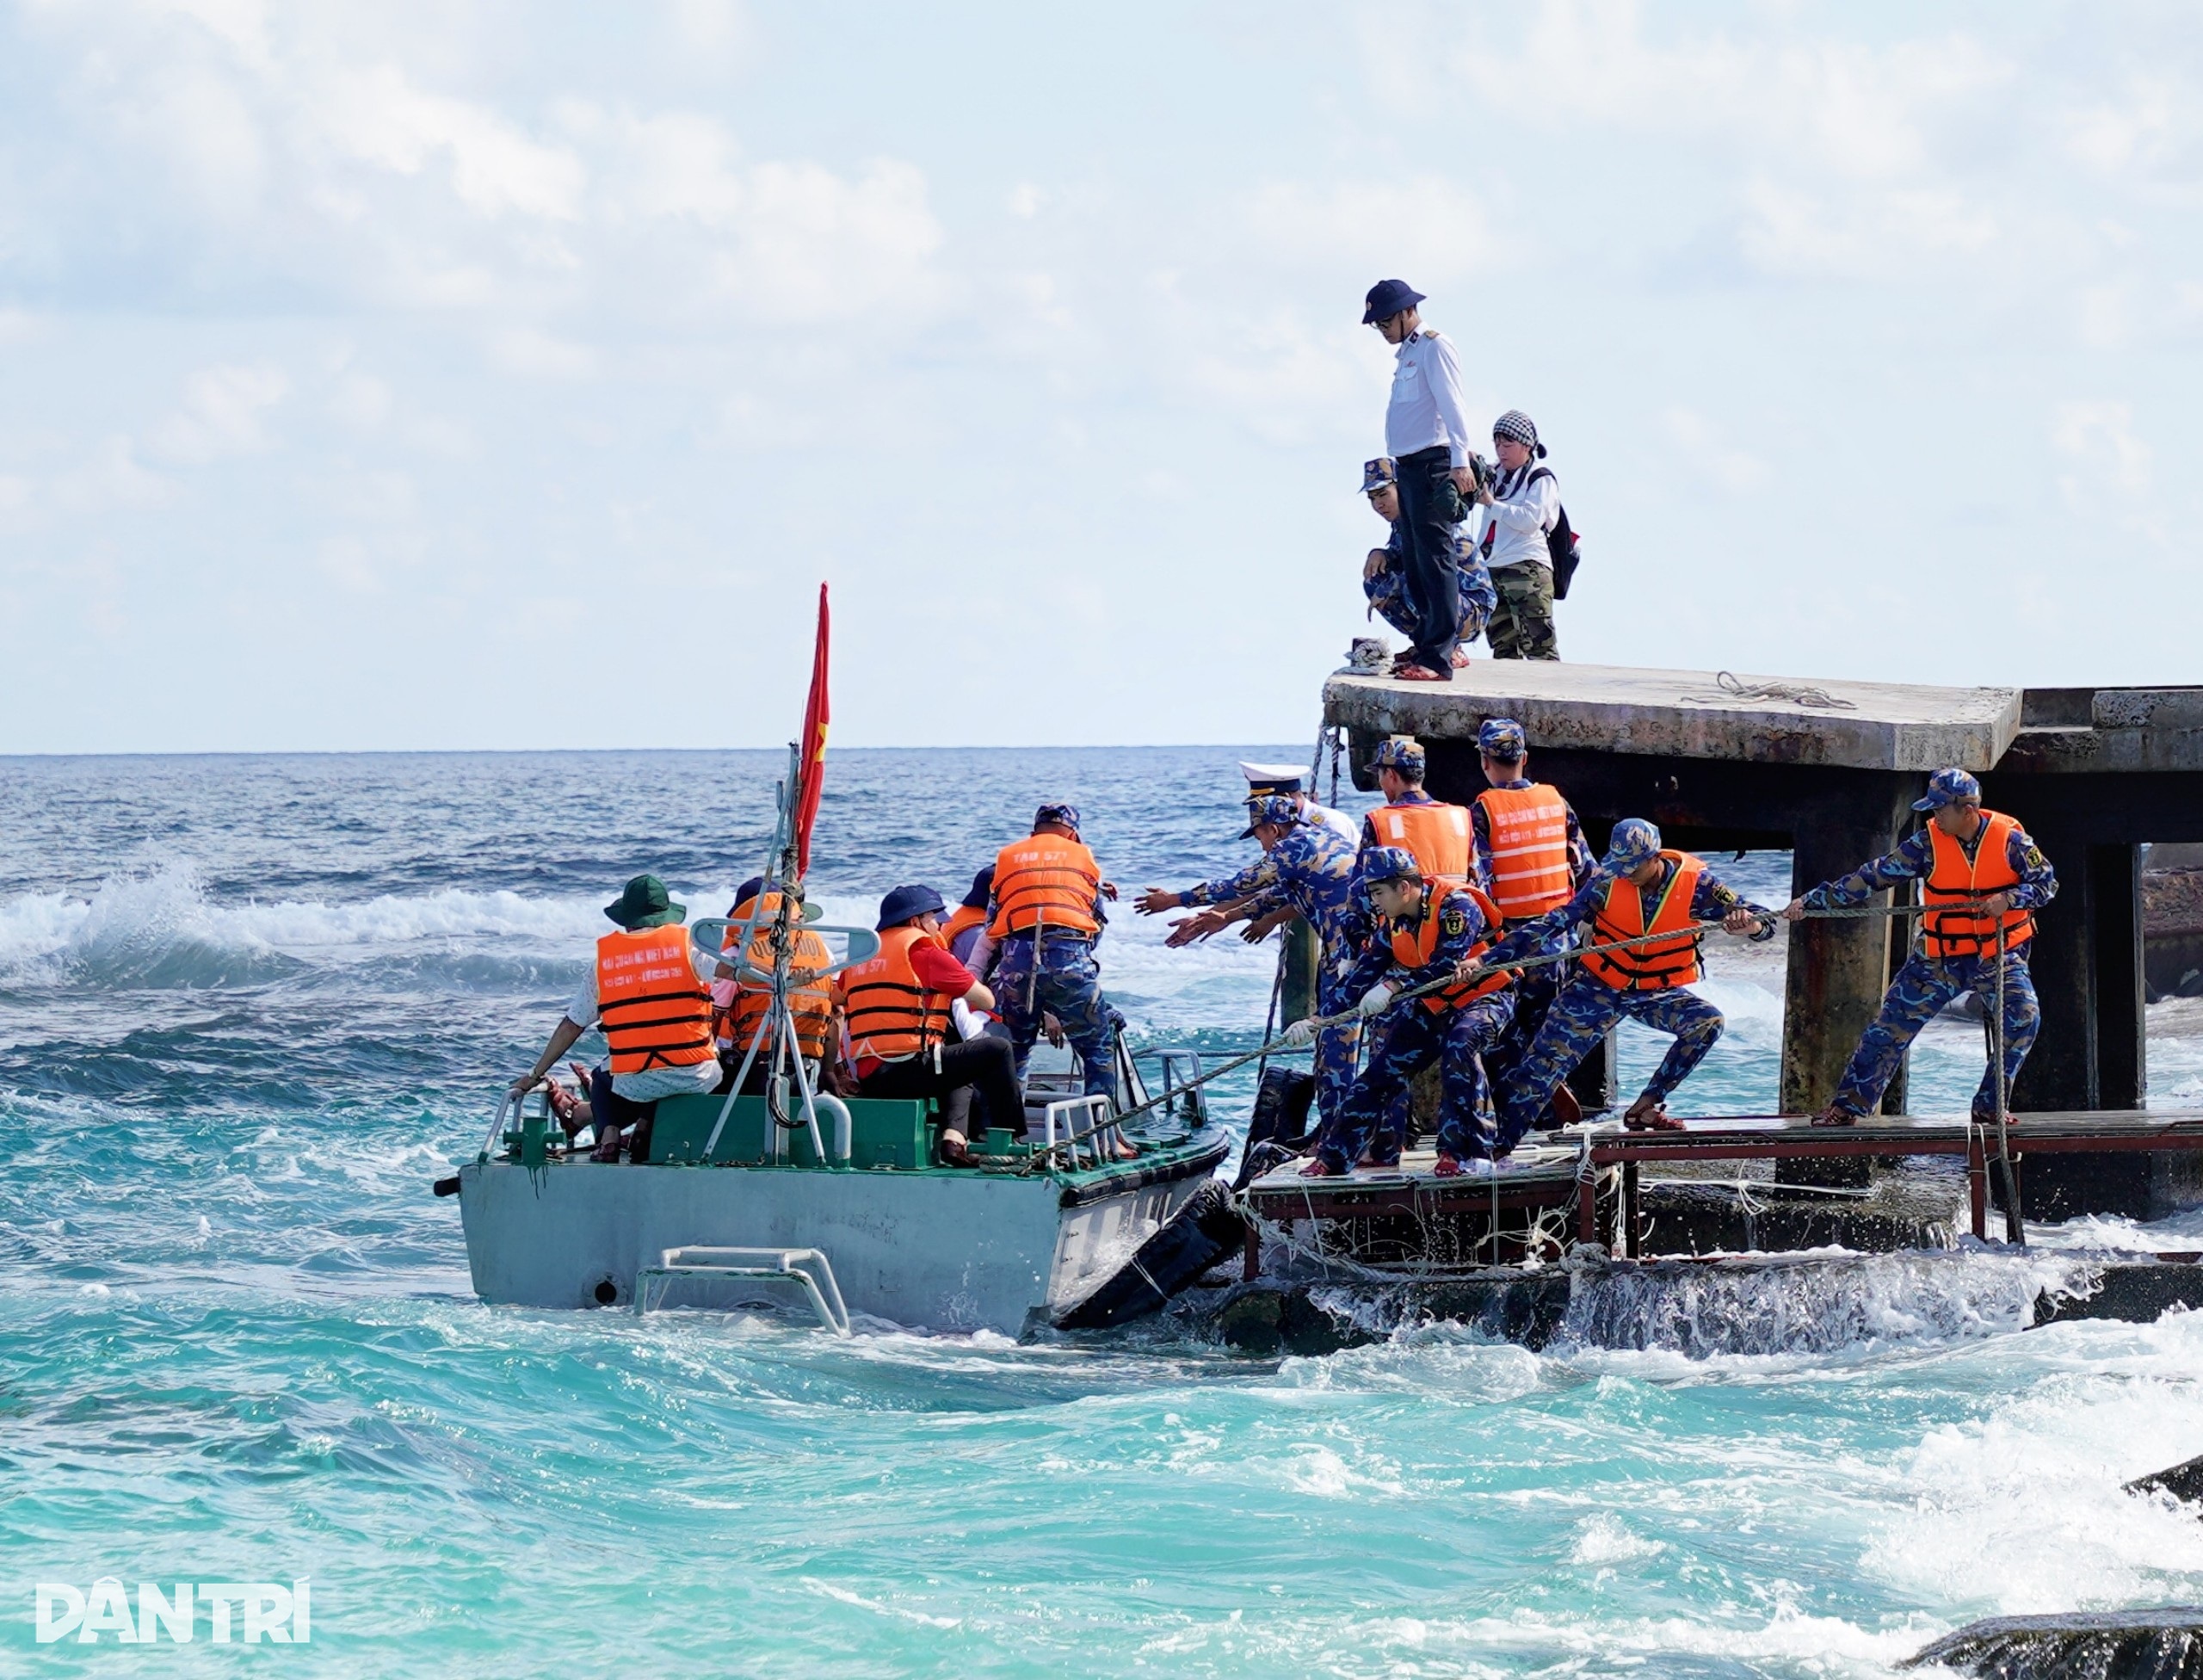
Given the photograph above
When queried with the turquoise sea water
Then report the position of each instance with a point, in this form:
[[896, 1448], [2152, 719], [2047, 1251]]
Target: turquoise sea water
[[250, 1008]]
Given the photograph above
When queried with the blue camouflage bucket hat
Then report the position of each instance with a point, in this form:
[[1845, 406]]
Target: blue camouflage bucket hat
[[1947, 787], [1633, 843], [1376, 474], [1403, 753], [1280, 809], [1056, 811], [1384, 863], [1503, 738]]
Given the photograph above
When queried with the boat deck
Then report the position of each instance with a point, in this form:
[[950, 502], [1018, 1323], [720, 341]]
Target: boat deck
[[1547, 1174]]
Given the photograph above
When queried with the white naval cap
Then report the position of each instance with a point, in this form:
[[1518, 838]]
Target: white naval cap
[[1273, 778]]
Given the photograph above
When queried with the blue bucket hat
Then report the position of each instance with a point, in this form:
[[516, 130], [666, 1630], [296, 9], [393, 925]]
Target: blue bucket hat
[[1056, 812], [1376, 474], [1386, 299], [1279, 808], [1384, 863], [983, 888], [1403, 753], [907, 902], [1503, 738], [1946, 788], [1633, 843]]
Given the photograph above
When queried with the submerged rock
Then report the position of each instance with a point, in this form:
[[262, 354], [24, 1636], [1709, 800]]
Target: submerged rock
[[2113, 1645], [2182, 1481]]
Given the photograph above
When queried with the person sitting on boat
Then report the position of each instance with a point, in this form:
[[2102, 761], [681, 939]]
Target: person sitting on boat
[[902, 1010], [1385, 573], [1044, 916], [1526, 850], [1437, 833], [1983, 865], [969, 919], [654, 1010], [1427, 928], [742, 1008], [1638, 888], [1306, 867]]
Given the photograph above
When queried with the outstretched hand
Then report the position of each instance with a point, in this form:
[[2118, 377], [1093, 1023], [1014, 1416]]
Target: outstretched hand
[[1156, 900], [1186, 930]]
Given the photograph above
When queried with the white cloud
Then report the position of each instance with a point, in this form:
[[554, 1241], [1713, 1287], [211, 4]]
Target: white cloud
[[2139, 128], [812, 246], [1426, 225], [1863, 235], [540, 354], [380, 117], [2099, 436], [223, 411], [112, 479], [1710, 453]]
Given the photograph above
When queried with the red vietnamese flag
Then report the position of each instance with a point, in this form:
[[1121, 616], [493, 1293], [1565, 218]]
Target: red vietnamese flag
[[811, 775]]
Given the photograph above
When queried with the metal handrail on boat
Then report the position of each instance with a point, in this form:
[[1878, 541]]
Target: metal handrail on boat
[[807, 1266], [509, 1099], [1100, 1131]]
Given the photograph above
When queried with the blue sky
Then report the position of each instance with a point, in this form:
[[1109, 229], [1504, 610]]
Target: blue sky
[[507, 375]]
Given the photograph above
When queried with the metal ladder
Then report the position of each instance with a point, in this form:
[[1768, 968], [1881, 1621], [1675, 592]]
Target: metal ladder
[[805, 1266]]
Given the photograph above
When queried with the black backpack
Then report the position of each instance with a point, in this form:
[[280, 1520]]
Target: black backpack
[[1560, 544]]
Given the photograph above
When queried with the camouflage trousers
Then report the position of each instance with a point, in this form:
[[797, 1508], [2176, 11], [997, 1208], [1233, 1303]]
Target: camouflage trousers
[[1067, 986], [1337, 1048], [1583, 1015], [1918, 993], [1387, 593], [1406, 1040], [1522, 624]]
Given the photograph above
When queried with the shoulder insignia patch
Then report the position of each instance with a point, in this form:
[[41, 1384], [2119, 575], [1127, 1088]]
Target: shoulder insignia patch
[[1452, 922]]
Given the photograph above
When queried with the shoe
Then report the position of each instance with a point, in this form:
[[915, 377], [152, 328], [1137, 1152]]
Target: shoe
[[954, 1154]]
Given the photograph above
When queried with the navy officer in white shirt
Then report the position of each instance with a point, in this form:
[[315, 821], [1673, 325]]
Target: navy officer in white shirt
[[1428, 435]]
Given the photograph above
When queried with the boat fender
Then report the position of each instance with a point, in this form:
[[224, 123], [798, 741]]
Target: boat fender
[[1204, 1230], [447, 1186], [1280, 1115]]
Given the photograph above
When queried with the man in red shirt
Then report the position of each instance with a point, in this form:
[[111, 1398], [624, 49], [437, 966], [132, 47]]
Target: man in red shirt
[[903, 1024]]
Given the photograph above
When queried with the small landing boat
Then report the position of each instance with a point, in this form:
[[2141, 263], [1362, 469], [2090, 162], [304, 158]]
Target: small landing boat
[[796, 1186]]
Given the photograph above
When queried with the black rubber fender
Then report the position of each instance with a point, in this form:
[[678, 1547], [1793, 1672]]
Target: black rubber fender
[[1201, 1233]]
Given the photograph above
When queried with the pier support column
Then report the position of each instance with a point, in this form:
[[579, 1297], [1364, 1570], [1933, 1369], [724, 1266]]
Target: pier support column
[[1837, 968], [2122, 1027], [1297, 996], [2061, 1072]]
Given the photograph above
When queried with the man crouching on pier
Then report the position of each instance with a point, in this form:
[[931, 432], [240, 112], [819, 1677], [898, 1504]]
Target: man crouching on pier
[[1428, 928], [1983, 865], [1637, 889]]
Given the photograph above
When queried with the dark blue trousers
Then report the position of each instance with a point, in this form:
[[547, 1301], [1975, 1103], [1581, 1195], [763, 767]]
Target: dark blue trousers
[[1429, 509]]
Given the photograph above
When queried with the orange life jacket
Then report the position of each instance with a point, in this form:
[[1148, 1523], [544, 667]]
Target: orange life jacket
[[1047, 877], [654, 1010], [1437, 834], [1957, 879], [810, 1002], [1415, 943], [892, 1016], [963, 916], [1529, 849], [1661, 963]]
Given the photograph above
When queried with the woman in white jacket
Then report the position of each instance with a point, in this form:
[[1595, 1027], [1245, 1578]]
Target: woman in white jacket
[[1521, 507]]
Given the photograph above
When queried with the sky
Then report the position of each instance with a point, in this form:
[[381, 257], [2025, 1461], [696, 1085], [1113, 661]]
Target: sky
[[484, 375]]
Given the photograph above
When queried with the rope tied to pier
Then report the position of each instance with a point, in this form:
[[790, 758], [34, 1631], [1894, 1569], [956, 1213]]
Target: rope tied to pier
[[1733, 687]]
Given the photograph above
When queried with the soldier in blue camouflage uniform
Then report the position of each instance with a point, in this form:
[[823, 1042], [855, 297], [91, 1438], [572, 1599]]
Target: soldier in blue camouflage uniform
[[1504, 748], [1068, 986], [1306, 867], [1385, 573], [1925, 984], [1588, 1008], [1409, 1036]]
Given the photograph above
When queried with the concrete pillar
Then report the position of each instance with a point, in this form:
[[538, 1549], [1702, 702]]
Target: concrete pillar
[[1597, 1075], [1837, 969], [2061, 1070], [2122, 1033]]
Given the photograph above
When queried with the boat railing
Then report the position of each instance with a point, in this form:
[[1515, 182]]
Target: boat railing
[[1185, 1096], [806, 1266], [1098, 1132], [709, 936], [508, 1102]]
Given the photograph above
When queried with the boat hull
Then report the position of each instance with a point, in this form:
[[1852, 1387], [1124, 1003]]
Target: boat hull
[[940, 1251]]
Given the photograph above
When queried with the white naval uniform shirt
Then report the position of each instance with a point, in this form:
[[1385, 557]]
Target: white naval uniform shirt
[[1427, 406]]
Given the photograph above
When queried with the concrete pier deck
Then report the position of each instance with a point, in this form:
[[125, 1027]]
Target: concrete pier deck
[[2093, 774]]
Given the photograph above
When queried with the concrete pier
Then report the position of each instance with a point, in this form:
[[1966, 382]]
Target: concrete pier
[[2093, 774]]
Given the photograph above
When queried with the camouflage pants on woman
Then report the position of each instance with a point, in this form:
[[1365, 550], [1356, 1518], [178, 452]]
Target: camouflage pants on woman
[[1522, 624]]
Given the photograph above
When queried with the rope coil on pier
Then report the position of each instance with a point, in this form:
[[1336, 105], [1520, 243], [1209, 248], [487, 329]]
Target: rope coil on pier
[[1733, 687]]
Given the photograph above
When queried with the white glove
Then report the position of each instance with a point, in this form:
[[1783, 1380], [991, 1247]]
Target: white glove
[[1376, 1000], [1300, 1034]]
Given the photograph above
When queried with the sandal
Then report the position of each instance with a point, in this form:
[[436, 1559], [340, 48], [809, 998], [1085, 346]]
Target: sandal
[[1460, 658], [1319, 1168], [1420, 674], [1832, 1116], [1654, 1119]]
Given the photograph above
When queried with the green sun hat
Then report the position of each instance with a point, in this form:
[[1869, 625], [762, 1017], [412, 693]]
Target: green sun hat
[[644, 904]]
